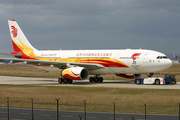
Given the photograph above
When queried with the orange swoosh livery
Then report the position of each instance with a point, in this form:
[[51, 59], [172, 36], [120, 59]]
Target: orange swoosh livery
[[28, 53]]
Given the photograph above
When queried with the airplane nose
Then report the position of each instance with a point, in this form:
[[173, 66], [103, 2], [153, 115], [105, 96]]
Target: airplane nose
[[167, 64], [170, 63]]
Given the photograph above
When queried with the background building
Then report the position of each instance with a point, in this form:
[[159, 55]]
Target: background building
[[177, 58]]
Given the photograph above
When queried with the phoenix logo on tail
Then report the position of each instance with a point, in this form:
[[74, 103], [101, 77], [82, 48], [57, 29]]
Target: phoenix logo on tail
[[14, 31]]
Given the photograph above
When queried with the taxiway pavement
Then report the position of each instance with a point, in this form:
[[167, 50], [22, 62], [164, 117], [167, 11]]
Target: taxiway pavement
[[40, 114], [84, 83]]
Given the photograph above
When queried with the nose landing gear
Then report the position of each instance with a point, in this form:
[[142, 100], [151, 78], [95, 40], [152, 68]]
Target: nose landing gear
[[150, 74]]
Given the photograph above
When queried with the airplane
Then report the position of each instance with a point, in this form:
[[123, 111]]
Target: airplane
[[79, 64]]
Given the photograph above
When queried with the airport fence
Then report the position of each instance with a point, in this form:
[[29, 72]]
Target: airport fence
[[83, 107]]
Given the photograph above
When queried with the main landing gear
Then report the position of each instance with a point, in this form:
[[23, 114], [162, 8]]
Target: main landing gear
[[96, 79], [64, 80]]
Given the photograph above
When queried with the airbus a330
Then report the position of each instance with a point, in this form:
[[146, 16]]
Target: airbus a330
[[79, 64]]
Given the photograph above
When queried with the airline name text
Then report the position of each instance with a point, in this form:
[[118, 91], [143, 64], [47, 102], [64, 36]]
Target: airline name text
[[94, 54], [49, 55]]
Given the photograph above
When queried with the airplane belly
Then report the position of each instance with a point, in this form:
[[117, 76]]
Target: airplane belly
[[102, 71], [134, 67], [125, 70]]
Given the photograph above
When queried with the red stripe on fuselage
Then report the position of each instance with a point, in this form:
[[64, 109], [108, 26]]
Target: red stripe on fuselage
[[106, 63]]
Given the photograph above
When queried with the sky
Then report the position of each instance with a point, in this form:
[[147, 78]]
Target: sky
[[94, 24]]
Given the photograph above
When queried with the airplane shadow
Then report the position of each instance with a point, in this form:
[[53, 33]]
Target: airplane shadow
[[76, 83]]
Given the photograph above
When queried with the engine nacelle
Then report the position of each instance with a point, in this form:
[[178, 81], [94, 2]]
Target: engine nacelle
[[75, 73]]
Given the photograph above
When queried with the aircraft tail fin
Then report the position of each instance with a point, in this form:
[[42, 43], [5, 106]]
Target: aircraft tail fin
[[19, 40]]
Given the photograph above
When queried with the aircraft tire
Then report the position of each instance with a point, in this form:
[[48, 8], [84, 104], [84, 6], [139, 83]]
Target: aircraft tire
[[70, 81], [65, 81], [138, 81], [157, 82], [91, 79], [100, 79], [60, 80]]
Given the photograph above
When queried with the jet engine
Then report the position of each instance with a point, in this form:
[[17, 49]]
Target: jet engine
[[75, 73]]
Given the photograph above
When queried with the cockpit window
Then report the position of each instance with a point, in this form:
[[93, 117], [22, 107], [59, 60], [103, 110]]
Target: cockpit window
[[162, 57]]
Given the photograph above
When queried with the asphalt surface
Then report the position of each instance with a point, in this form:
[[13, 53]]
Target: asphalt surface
[[84, 83], [39, 114]]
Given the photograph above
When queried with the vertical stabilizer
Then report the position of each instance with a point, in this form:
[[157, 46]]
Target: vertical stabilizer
[[19, 40]]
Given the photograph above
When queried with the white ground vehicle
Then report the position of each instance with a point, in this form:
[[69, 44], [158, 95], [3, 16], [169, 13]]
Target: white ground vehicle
[[156, 80]]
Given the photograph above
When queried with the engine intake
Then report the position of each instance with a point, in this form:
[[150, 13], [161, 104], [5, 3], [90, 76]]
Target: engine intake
[[75, 73]]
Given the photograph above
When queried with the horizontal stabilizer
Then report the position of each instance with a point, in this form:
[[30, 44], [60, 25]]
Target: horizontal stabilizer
[[13, 55]]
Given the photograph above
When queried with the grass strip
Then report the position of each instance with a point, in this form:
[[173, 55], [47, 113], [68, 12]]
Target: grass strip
[[128, 100]]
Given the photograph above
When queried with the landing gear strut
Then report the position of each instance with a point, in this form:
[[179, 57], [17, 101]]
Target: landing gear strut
[[96, 79], [150, 74], [64, 80]]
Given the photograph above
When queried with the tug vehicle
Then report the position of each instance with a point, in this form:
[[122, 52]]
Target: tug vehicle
[[168, 79]]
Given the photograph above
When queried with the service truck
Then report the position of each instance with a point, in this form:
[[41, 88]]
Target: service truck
[[168, 79]]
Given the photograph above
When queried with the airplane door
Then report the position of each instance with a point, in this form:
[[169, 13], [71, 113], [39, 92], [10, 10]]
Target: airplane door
[[116, 56], [145, 58]]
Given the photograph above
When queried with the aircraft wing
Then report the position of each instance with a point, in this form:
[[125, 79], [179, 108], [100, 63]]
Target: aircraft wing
[[58, 64]]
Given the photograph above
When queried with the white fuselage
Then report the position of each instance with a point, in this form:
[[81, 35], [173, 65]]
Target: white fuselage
[[139, 61]]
